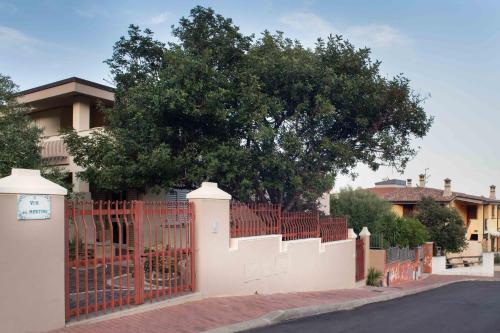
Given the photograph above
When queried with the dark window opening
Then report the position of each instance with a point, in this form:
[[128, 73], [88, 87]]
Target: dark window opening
[[408, 210], [97, 118], [471, 212]]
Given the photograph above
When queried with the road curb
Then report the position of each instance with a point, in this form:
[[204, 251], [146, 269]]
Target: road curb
[[280, 316]]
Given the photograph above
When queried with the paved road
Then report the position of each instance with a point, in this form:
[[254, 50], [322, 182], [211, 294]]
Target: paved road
[[459, 307]]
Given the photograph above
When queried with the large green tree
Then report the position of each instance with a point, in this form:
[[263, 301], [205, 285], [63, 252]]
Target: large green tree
[[266, 118], [20, 138], [445, 226], [363, 208]]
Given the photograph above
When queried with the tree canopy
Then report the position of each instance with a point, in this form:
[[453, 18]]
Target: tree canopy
[[445, 226], [265, 117], [365, 209], [20, 139]]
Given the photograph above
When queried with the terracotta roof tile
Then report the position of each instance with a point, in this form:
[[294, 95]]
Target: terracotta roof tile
[[413, 194]]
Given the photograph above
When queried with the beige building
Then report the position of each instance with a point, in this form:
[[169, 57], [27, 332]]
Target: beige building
[[70, 103], [479, 213]]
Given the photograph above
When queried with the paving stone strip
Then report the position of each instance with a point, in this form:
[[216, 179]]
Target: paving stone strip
[[235, 314]]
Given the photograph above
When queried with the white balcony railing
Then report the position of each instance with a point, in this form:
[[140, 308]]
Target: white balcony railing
[[54, 151]]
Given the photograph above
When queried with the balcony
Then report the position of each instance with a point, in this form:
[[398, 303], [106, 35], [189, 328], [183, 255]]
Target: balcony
[[54, 151]]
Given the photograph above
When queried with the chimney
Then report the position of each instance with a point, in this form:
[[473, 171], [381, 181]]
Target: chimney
[[421, 180], [447, 187], [408, 182], [493, 194]]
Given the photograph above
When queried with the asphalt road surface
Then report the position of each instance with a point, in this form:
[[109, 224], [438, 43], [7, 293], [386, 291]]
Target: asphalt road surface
[[459, 307]]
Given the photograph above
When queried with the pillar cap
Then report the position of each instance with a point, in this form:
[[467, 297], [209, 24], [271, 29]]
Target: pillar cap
[[29, 181], [209, 191], [351, 234], [364, 232]]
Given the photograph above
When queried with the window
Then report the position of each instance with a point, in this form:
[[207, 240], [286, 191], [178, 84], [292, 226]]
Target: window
[[408, 210], [471, 212], [474, 237], [97, 118]]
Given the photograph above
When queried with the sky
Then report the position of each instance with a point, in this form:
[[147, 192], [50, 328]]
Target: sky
[[448, 49]]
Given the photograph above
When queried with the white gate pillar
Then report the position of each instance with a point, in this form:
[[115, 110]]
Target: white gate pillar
[[211, 206], [31, 253], [365, 236]]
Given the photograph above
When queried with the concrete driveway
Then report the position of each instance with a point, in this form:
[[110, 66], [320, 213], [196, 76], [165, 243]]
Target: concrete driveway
[[459, 307]]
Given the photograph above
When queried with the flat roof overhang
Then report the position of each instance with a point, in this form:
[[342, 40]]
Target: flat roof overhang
[[61, 92]]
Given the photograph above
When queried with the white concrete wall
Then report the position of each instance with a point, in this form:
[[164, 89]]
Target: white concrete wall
[[486, 269], [473, 249], [262, 264], [266, 264]]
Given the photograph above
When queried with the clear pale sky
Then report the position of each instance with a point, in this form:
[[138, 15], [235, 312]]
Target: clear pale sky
[[449, 50]]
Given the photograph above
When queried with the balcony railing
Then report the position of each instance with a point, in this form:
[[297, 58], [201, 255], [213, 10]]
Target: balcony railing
[[54, 151]]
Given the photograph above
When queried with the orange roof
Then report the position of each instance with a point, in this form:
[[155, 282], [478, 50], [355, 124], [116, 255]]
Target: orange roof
[[414, 194]]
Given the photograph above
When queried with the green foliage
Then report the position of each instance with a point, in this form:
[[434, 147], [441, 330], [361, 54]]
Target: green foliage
[[363, 208], [445, 226], [266, 118], [21, 138], [400, 231], [373, 277], [497, 259]]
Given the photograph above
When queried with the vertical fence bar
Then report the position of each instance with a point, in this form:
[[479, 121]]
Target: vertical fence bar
[[66, 259], [85, 256], [192, 219], [127, 209], [119, 230], [104, 261], [112, 252], [76, 261], [156, 218], [150, 249], [94, 229], [170, 249], [163, 225], [137, 221]]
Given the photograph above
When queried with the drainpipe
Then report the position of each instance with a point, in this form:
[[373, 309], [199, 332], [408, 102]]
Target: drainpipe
[[484, 221]]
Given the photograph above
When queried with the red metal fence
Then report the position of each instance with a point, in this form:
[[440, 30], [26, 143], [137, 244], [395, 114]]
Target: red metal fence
[[264, 219], [360, 259], [122, 253], [254, 219], [298, 225], [333, 228]]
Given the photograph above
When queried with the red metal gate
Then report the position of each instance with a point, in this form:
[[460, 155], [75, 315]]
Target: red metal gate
[[360, 259], [121, 253]]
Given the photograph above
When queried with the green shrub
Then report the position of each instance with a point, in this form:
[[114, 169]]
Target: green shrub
[[374, 276], [497, 259], [445, 226], [362, 207], [401, 231]]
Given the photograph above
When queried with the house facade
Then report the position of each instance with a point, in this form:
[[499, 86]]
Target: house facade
[[73, 103], [479, 213]]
